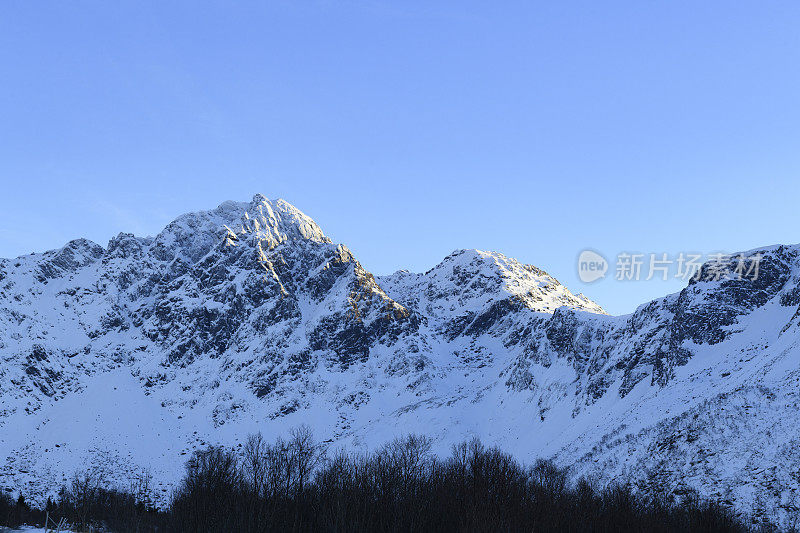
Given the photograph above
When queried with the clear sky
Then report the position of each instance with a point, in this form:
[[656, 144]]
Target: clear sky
[[408, 129]]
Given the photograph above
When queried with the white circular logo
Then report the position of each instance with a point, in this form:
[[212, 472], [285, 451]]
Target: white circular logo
[[591, 266]]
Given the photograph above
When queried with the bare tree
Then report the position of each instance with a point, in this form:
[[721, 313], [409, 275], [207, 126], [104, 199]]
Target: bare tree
[[306, 455], [256, 452]]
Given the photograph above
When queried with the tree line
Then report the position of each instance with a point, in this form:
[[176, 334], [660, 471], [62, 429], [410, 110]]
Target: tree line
[[293, 485]]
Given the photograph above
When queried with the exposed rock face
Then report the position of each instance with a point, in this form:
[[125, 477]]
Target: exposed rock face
[[248, 317]]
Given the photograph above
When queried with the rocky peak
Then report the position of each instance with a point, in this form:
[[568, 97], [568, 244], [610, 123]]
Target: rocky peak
[[472, 281], [75, 254], [275, 222], [191, 236]]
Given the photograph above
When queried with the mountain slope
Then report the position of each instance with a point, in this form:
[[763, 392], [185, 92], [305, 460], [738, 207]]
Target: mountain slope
[[247, 317]]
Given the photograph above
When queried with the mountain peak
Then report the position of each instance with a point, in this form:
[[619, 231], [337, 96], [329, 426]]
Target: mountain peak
[[259, 198], [277, 221], [532, 285], [192, 235], [472, 281]]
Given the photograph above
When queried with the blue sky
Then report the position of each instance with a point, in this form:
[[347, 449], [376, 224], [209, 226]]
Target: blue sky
[[409, 129]]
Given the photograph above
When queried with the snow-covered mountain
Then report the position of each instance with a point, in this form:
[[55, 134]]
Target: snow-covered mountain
[[247, 317]]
